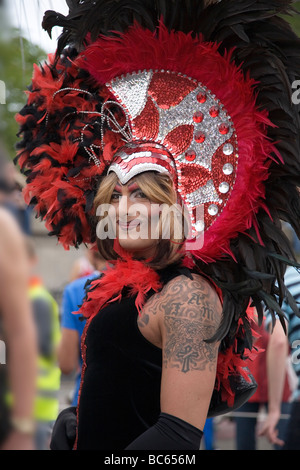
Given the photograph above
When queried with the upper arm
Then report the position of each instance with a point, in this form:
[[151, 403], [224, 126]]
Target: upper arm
[[190, 314], [278, 340], [68, 350]]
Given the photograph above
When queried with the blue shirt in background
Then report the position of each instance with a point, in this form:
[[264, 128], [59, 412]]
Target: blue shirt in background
[[72, 299]]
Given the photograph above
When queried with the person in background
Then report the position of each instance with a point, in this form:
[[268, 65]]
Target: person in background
[[246, 423], [209, 434], [18, 333], [69, 353], [46, 316], [11, 185], [278, 350], [83, 266]]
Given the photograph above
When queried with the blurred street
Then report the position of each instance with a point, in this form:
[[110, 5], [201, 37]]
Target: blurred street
[[54, 263]]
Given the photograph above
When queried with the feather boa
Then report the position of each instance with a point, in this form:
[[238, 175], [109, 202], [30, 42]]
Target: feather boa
[[133, 274]]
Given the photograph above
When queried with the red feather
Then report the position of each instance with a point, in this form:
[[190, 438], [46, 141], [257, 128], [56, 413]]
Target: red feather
[[135, 275]]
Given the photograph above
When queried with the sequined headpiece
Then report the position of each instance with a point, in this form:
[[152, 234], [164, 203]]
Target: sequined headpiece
[[194, 132], [192, 115]]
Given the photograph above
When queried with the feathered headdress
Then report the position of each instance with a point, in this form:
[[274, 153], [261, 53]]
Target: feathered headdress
[[201, 90]]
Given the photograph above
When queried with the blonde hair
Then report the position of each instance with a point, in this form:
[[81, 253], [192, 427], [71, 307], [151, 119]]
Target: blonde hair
[[159, 189]]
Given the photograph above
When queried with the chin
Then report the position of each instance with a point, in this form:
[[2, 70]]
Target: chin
[[138, 247]]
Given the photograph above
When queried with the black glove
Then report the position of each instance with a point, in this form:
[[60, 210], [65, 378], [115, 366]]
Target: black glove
[[64, 430], [169, 433]]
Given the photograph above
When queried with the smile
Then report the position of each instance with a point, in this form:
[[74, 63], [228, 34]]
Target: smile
[[131, 225]]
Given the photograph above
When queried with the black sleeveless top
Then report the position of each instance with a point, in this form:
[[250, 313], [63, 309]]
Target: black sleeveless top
[[120, 390]]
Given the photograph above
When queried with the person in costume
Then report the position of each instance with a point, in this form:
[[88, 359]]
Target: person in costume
[[185, 105]]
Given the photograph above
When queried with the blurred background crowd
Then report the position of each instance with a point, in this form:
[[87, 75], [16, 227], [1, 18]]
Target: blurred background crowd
[[56, 278]]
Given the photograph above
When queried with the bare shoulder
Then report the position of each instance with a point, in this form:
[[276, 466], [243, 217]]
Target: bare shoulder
[[191, 315], [183, 296], [194, 291]]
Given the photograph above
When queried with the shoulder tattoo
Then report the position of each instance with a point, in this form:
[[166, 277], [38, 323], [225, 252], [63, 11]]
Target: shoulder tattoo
[[191, 312]]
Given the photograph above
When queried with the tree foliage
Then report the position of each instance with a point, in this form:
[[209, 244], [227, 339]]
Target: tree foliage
[[17, 56], [295, 20]]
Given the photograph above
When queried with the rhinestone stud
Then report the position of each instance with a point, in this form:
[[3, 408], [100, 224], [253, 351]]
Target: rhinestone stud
[[198, 117], [228, 169], [213, 209], [200, 225], [214, 111], [190, 155], [201, 98], [228, 149], [224, 129], [200, 137], [224, 188]]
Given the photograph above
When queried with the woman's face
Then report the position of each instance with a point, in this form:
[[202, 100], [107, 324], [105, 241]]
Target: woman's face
[[136, 219]]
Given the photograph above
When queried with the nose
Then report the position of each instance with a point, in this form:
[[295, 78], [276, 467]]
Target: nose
[[123, 205]]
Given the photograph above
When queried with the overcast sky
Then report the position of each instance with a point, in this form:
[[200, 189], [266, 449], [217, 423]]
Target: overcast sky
[[28, 14]]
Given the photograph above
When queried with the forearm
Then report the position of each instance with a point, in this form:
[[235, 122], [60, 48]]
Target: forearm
[[21, 342], [68, 350], [276, 364]]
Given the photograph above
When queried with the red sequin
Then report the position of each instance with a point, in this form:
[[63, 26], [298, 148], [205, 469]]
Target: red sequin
[[193, 177], [168, 89], [180, 139], [147, 123]]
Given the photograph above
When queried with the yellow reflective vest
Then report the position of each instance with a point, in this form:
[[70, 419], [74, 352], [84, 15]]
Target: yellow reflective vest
[[49, 374]]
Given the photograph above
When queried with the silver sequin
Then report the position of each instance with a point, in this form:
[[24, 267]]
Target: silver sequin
[[203, 195], [132, 90]]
